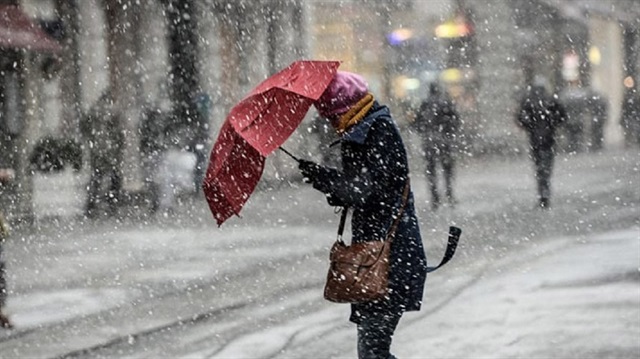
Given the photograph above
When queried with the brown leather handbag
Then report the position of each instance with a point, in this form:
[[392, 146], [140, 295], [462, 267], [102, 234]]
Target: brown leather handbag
[[360, 272]]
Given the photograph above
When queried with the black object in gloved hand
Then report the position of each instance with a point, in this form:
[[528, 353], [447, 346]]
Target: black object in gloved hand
[[310, 170]]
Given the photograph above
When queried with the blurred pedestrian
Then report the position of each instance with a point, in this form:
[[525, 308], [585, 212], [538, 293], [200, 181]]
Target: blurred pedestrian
[[438, 124], [152, 148], [6, 176], [371, 181], [200, 139], [574, 99], [586, 116], [599, 116], [630, 117], [540, 115], [103, 129]]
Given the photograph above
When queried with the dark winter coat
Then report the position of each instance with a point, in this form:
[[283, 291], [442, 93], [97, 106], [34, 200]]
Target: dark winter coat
[[374, 172], [540, 115], [438, 122]]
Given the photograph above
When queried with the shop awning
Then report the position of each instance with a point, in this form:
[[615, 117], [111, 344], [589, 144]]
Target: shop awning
[[18, 31]]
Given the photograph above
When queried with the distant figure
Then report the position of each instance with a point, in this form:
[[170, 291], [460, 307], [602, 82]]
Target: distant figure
[[152, 148], [630, 117], [586, 116], [540, 115], [599, 115], [200, 139], [438, 123], [6, 176], [103, 129]]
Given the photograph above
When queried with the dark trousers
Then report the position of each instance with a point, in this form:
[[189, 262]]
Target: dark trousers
[[543, 161], [199, 170], [375, 332], [442, 156], [575, 139]]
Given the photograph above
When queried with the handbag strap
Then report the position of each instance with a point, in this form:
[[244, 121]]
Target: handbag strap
[[452, 243], [394, 226]]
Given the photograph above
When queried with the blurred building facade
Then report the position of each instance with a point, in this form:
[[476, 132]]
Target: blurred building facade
[[486, 52], [137, 49]]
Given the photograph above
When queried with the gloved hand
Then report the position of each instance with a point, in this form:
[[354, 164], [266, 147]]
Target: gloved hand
[[310, 170], [334, 201]]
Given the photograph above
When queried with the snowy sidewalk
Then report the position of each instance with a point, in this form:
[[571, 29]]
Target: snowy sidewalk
[[525, 283], [565, 299]]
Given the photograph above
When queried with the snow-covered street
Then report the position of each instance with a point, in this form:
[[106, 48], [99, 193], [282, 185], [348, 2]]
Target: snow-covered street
[[525, 283]]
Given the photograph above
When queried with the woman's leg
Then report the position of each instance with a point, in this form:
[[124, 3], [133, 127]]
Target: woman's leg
[[544, 166], [374, 335]]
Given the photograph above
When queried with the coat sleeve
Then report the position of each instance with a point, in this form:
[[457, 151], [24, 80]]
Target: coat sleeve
[[418, 124], [559, 113], [365, 168], [344, 188]]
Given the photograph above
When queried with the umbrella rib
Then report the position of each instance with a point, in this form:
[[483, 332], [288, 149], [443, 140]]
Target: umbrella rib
[[268, 107], [267, 115]]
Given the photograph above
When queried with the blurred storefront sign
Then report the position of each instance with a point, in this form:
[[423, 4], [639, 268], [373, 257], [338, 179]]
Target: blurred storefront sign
[[457, 27], [398, 36], [595, 57]]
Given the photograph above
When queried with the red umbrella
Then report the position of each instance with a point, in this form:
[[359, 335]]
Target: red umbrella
[[274, 109], [234, 170], [255, 127]]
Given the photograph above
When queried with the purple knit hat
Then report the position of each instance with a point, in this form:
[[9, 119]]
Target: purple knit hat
[[344, 91]]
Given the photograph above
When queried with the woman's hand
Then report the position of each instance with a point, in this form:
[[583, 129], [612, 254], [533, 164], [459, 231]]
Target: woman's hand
[[310, 170]]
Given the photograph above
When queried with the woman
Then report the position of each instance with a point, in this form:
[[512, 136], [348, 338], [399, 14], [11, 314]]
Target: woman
[[371, 181]]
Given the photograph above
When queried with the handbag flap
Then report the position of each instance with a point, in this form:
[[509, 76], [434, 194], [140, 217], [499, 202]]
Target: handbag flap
[[358, 254]]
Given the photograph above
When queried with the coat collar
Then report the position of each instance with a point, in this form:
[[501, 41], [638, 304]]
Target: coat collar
[[358, 133]]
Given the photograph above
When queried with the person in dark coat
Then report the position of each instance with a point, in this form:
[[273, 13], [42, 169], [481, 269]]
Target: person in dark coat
[[599, 116], [438, 123], [103, 129], [6, 176], [152, 148], [586, 116], [540, 115], [371, 181], [630, 117], [199, 138]]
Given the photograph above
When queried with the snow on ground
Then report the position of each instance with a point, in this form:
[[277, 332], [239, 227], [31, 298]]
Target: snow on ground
[[578, 299], [520, 285], [567, 298]]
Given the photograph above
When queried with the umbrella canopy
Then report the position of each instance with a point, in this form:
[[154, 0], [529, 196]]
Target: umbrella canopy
[[255, 127], [235, 168], [274, 109]]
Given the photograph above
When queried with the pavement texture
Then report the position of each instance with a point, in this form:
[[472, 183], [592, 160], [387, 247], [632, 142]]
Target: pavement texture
[[525, 282]]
